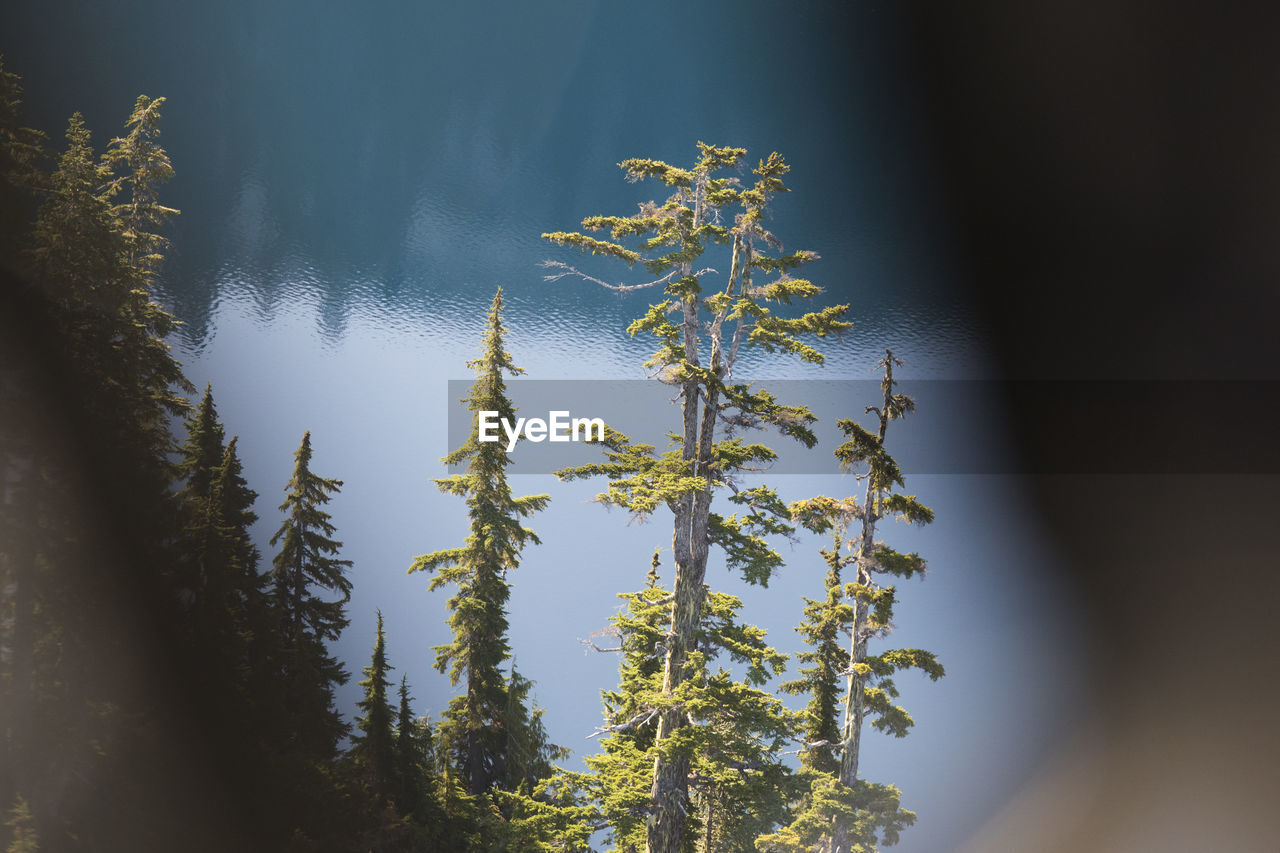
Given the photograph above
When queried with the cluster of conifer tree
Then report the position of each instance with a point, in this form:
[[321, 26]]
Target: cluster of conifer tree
[[165, 686]]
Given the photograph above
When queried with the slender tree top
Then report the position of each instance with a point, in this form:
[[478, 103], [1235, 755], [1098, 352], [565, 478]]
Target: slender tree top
[[145, 165], [671, 237], [702, 333], [203, 450], [496, 534], [308, 551], [374, 745], [479, 567]]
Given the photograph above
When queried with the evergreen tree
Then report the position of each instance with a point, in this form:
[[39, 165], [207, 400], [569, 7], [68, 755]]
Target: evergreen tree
[[202, 450], [825, 622], [88, 480], [698, 353], [226, 619], [142, 166], [305, 571], [243, 593], [374, 747], [826, 659], [228, 584], [734, 745], [87, 258], [414, 762], [477, 727], [21, 829], [21, 151], [843, 812], [113, 328], [529, 752], [306, 560], [223, 591], [205, 555]]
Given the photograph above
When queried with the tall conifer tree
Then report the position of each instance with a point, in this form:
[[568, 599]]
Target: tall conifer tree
[[844, 812], [414, 761], [204, 555], [374, 746], [476, 728], [142, 165], [826, 659], [21, 151], [94, 479], [698, 352], [245, 587], [202, 450], [306, 572]]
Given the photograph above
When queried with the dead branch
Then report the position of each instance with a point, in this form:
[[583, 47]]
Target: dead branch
[[590, 645], [638, 720], [566, 270]]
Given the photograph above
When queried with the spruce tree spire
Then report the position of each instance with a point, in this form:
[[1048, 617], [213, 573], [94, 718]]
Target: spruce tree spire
[[412, 755], [474, 726], [304, 572], [202, 451], [146, 166], [374, 746]]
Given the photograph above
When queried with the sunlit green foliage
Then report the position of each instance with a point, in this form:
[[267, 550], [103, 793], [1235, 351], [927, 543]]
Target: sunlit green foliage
[[490, 734], [840, 811], [734, 744], [702, 326]]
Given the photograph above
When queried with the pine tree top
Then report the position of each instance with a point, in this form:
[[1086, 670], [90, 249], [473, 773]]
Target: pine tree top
[[202, 452], [702, 330], [497, 537], [307, 554]]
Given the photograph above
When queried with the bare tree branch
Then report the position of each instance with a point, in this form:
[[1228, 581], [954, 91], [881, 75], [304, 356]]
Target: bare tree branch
[[594, 647], [638, 720], [566, 269]]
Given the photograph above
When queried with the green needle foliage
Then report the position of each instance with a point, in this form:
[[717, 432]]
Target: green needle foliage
[[488, 731], [825, 662], [841, 812], [219, 584], [21, 151], [202, 451], [89, 524], [143, 165], [22, 829], [391, 763], [306, 572], [739, 784], [373, 747], [415, 763], [702, 330], [90, 262]]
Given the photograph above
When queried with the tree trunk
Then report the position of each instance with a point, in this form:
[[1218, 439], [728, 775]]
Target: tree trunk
[[670, 791], [854, 710], [671, 777]]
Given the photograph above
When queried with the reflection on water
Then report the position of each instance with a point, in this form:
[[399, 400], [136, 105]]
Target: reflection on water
[[556, 324]]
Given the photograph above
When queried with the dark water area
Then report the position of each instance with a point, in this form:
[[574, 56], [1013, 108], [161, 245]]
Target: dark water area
[[394, 160]]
